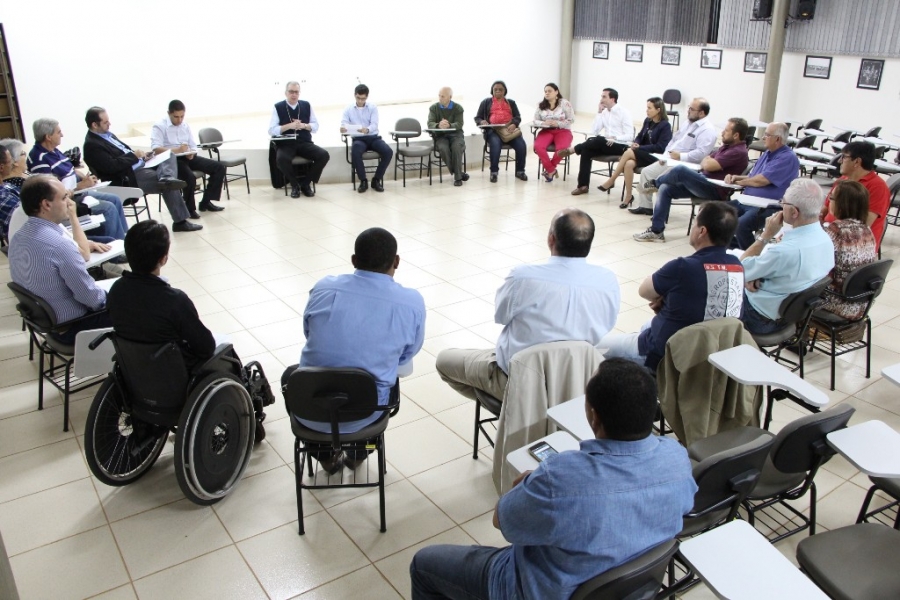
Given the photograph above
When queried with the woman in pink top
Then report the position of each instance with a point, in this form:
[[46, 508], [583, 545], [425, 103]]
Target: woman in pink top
[[554, 115]]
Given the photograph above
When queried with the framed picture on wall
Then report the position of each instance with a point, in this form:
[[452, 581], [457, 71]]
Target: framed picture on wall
[[755, 62], [870, 74], [671, 55], [818, 67], [710, 59], [601, 50], [634, 52]]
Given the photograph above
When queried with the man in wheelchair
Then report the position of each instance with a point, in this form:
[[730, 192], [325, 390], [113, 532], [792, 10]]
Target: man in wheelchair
[[169, 375]]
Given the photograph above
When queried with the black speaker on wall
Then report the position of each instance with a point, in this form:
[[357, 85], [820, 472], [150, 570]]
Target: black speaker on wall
[[806, 9], [762, 9]]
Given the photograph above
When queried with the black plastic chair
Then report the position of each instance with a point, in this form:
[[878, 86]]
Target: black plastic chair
[[672, 97], [638, 579], [889, 486], [893, 184], [407, 129], [863, 284], [335, 396], [366, 155], [211, 138], [797, 452], [504, 155], [39, 319], [874, 132], [493, 406], [551, 149]]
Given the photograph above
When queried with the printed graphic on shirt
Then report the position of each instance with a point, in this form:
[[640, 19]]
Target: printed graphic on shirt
[[724, 291]]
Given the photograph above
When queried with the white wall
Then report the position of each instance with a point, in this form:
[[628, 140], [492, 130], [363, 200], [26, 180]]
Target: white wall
[[731, 92], [231, 58]]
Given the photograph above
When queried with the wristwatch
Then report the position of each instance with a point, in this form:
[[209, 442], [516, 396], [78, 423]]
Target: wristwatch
[[760, 238]]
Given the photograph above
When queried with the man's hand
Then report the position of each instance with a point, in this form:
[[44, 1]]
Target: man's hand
[[635, 145], [363, 130], [140, 154], [444, 124], [86, 182], [773, 225], [610, 141], [657, 305], [511, 127], [753, 286], [675, 155], [98, 247], [519, 479]]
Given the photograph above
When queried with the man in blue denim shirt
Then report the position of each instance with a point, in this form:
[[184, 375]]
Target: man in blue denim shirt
[[580, 513]]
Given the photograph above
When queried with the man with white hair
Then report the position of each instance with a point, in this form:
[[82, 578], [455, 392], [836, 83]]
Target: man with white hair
[[294, 118], [804, 255], [447, 115], [769, 178]]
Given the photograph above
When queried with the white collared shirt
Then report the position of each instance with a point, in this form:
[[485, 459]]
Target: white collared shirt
[[694, 141], [355, 117], [275, 122], [617, 124], [166, 135]]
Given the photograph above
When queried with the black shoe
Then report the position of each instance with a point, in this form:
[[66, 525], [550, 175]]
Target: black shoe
[[186, 226], [363, 186], [295, 191], [210, 207], [458, 182], [334, 464], [521, 175], [465, 176], [641, 211], [378, 185], [493, 178], [307, 191], [193, 214], [169, 184], [353, 463]]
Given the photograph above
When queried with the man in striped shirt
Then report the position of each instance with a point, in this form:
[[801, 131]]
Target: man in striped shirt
[[46, 261]]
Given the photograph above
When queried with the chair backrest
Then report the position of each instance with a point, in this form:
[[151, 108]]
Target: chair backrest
[[672, 97], [638, 579], [408, 124], [34, 310], [155, 377], [893, 184], [210, 135], [331, 395], [801, 446], [797, 307], [874, 132], [814, 124], [867, 280], [843, 137], [726, 478], [806, 142]]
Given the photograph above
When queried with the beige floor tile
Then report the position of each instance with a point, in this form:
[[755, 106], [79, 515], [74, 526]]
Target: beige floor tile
[[125, 592], [21, 398], [83, 565], [40, 469], [288, 564], [31, 430], [463, 488], [264, 313], [841, 507], [435, 445], [437, 324], [432, 394], [160, 538], [280, 335], [244, 296], [158, 487], [20, 370], [365, 583], [457, 339], [461, 420], [469, 312], [482, 530], [442, 294], [218, 575]]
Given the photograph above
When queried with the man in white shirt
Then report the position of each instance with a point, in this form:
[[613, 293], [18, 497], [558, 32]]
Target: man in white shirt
[[360, 122], [689, 144], [616, 123], [173, 133], [562, 299]]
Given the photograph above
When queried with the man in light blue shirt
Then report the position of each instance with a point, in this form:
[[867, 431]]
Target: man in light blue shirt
[[360, 123], [580, 513], [804, 256], [561, 300], [364, 320]]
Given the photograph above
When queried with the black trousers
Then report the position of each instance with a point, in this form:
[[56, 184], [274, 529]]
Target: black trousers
[[591, 147], [286, 152], [215, 172], [376, 144]]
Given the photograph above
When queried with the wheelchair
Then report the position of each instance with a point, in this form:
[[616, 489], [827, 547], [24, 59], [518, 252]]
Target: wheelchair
[[216, 410]]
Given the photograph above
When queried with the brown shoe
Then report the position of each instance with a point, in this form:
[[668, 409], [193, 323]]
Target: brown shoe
[[580, 190]]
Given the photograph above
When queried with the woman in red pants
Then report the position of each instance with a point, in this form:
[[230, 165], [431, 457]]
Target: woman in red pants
[[554, 115]]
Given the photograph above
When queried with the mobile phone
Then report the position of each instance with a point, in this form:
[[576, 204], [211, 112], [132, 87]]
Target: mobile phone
[[541, 451]]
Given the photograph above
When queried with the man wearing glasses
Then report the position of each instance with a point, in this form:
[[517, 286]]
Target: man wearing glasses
[[769, 178], [689, 144], [804, 255], [360, 123], [294, 118]]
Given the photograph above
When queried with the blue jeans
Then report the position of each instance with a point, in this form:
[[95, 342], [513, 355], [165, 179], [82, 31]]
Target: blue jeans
[[495, 144], [455, 572], [110, 206], [679, 182], [376, 144], [758, 323], [750, 220]]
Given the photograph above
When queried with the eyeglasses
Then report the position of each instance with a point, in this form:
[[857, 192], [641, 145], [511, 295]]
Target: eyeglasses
[[783, 203]]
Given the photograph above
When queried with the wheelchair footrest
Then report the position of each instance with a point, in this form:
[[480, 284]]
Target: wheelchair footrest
[[258, 385]]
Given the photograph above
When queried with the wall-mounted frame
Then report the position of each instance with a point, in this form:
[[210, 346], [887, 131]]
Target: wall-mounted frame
[[634, 52], [870, 71], [671, 55], [817, 67], [710, 59], [755, 62], [601, 50]]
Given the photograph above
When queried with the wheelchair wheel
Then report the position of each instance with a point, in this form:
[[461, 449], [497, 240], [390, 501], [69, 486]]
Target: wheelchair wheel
[[119, 449], [215, 438]]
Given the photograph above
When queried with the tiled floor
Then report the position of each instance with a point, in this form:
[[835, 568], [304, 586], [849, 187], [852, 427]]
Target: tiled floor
[[249, 272]]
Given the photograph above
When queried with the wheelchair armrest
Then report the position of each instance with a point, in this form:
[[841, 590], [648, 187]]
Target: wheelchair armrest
[[95, 343], [221, 353]]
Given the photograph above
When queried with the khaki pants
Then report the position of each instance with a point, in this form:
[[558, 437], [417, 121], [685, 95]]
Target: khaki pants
[[648, 173], [468, 370]]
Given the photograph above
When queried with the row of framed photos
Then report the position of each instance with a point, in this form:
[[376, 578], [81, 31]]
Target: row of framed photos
[[817, 67]]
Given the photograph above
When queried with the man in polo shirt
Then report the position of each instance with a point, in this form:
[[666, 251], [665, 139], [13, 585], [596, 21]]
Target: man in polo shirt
[[709, 284], [769, 178], [803, 256], [173, 133], [360, 122], [729, 159], [48, 263], [579, 513], [689, 144], [45, 158], [858, 164], [295, 118]]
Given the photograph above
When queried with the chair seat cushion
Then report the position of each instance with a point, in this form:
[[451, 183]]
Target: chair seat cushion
[[855, 562], [311, 435], [415, 151], [59, 347], [370, 155], [724, 440], [775, 338], [891, 485], [491, 403], [233, 162]]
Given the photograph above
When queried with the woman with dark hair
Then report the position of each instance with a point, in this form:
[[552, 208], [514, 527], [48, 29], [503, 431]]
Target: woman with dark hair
[[554, 115], [654, 136], [496, 112], [854, 243]]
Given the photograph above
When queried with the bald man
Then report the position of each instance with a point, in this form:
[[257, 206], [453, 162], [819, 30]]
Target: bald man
[[447, 116]]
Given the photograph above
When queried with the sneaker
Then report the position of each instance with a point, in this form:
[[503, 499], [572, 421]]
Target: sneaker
[[650, 236]]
